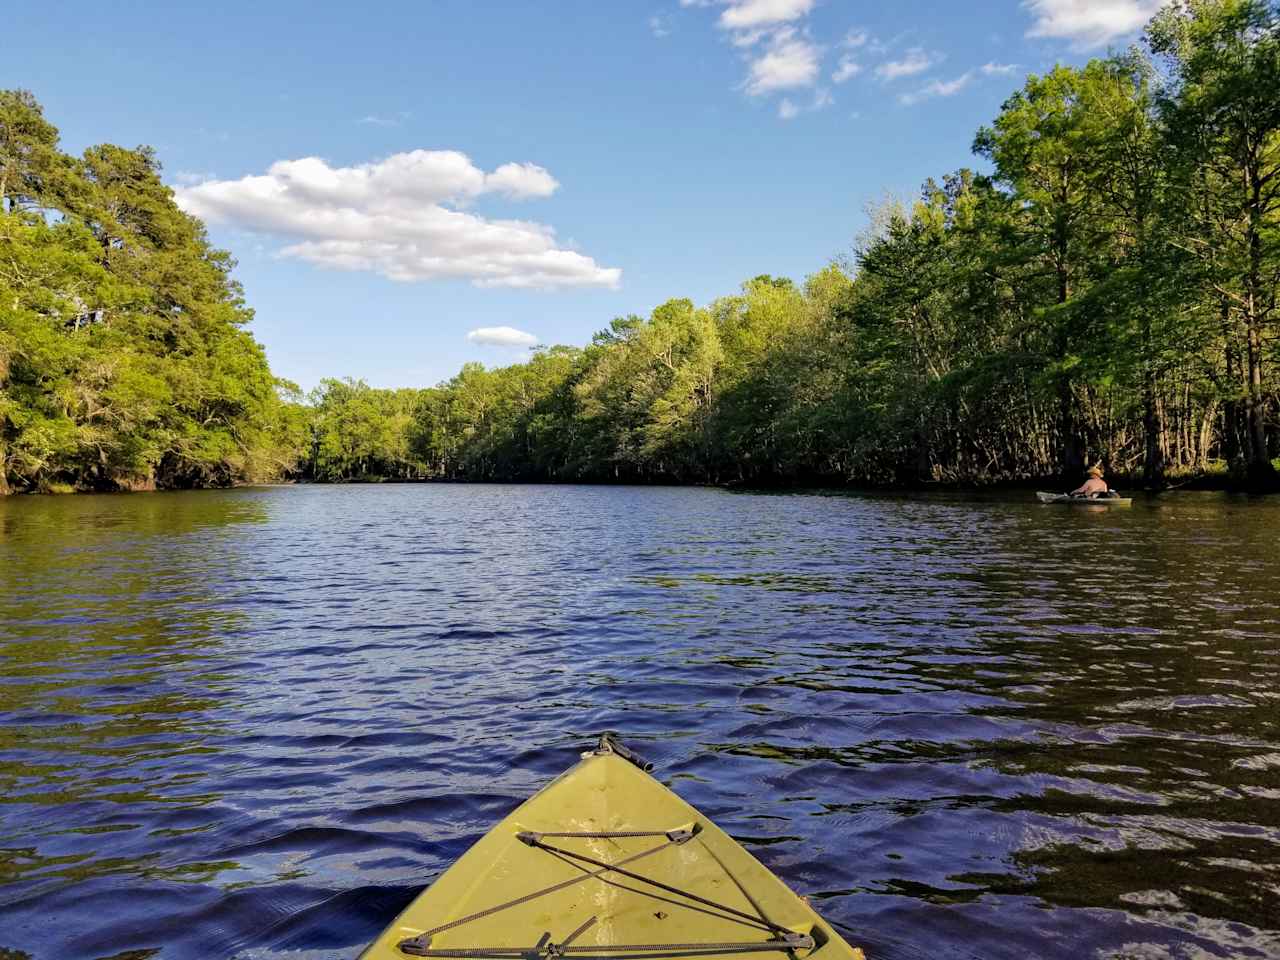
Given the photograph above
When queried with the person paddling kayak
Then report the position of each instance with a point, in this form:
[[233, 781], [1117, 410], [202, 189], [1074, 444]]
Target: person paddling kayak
[[1093, 492], [1095, 486]]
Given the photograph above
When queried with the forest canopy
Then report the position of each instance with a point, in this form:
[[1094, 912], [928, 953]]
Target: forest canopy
[[124, 358], [1103, 290]]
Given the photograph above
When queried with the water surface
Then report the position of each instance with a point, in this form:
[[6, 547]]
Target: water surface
[[253, 723]]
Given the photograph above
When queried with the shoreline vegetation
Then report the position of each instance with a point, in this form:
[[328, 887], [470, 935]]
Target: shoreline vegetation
[[1105, 293]]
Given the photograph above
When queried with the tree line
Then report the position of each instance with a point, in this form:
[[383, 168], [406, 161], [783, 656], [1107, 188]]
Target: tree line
[[1105, 291]]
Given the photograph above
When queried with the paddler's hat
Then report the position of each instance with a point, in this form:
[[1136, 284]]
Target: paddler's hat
[[1094, 471]]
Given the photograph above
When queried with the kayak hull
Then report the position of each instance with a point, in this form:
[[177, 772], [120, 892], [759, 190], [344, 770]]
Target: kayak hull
[[607, 794], [1044, 497]]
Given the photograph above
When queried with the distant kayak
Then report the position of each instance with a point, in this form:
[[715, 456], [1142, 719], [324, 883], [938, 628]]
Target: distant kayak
[[607, 862], [1101, 501]]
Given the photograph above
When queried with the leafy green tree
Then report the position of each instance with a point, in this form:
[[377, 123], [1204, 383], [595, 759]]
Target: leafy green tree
[[1222, 115], [126, 362], [1040, 151], [358, 432], [32, 170], [647, 392]]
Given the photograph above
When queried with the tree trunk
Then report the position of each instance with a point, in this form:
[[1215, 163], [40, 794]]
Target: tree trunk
[[1155, 458], [1207, 421], [1261, 474], [1073, 452], [1233, 449]]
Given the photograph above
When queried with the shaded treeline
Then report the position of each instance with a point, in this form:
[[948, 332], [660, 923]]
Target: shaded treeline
[[1106, 294], [124, 362]]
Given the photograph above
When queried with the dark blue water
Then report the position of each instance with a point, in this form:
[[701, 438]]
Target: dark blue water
[[254, 723]]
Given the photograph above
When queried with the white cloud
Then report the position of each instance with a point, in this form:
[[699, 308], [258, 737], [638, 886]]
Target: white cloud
[[856, 38], [398, 218], [788, 109], [779, 52], [748, 38], [1089, 23], [521, 181], [790, 62], [751, 14], [847, 70], [993, 69], [939, 88], [949, 88], [916, 60], [386, 120], [502, 337], [660, 26]]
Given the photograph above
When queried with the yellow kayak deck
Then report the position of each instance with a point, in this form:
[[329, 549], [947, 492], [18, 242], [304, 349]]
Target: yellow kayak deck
[[607, 862]]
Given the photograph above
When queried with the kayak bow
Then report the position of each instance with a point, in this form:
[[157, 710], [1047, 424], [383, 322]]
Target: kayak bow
[[606, 862]]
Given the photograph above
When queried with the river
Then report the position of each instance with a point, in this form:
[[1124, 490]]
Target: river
[[254, 723]]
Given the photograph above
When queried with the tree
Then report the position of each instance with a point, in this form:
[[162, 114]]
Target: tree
[[1039, 148], [1222, 118], [125, 359], [31, 168]]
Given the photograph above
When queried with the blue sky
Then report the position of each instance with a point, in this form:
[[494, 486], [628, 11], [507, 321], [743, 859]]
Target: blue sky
[[393, 177]]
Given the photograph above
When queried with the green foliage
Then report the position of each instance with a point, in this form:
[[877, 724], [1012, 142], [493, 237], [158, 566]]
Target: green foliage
[[1222, 113], [359, 433], [32, 171], [1107, 291], [157, 383]]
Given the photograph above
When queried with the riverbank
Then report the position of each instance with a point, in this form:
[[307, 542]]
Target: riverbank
[[1218, 478]]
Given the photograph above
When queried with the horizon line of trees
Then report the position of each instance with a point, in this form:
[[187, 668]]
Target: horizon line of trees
[[1106, 293]]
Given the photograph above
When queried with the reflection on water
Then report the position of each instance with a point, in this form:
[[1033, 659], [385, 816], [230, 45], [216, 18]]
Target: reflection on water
[[253, 723]]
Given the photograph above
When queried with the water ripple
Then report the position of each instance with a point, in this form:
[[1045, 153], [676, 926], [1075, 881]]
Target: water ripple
[[253, 723]]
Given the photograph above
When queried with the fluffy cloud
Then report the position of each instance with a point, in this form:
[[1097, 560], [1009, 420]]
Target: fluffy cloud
[[502, 337], [847, 70], [939, 88], [788, 109], [993, 69], [521, 181], [856, 38], [399, 218], [779, 52], [916, 60], [751, 14], [790, 61], [386, 120], [1089, 23]]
